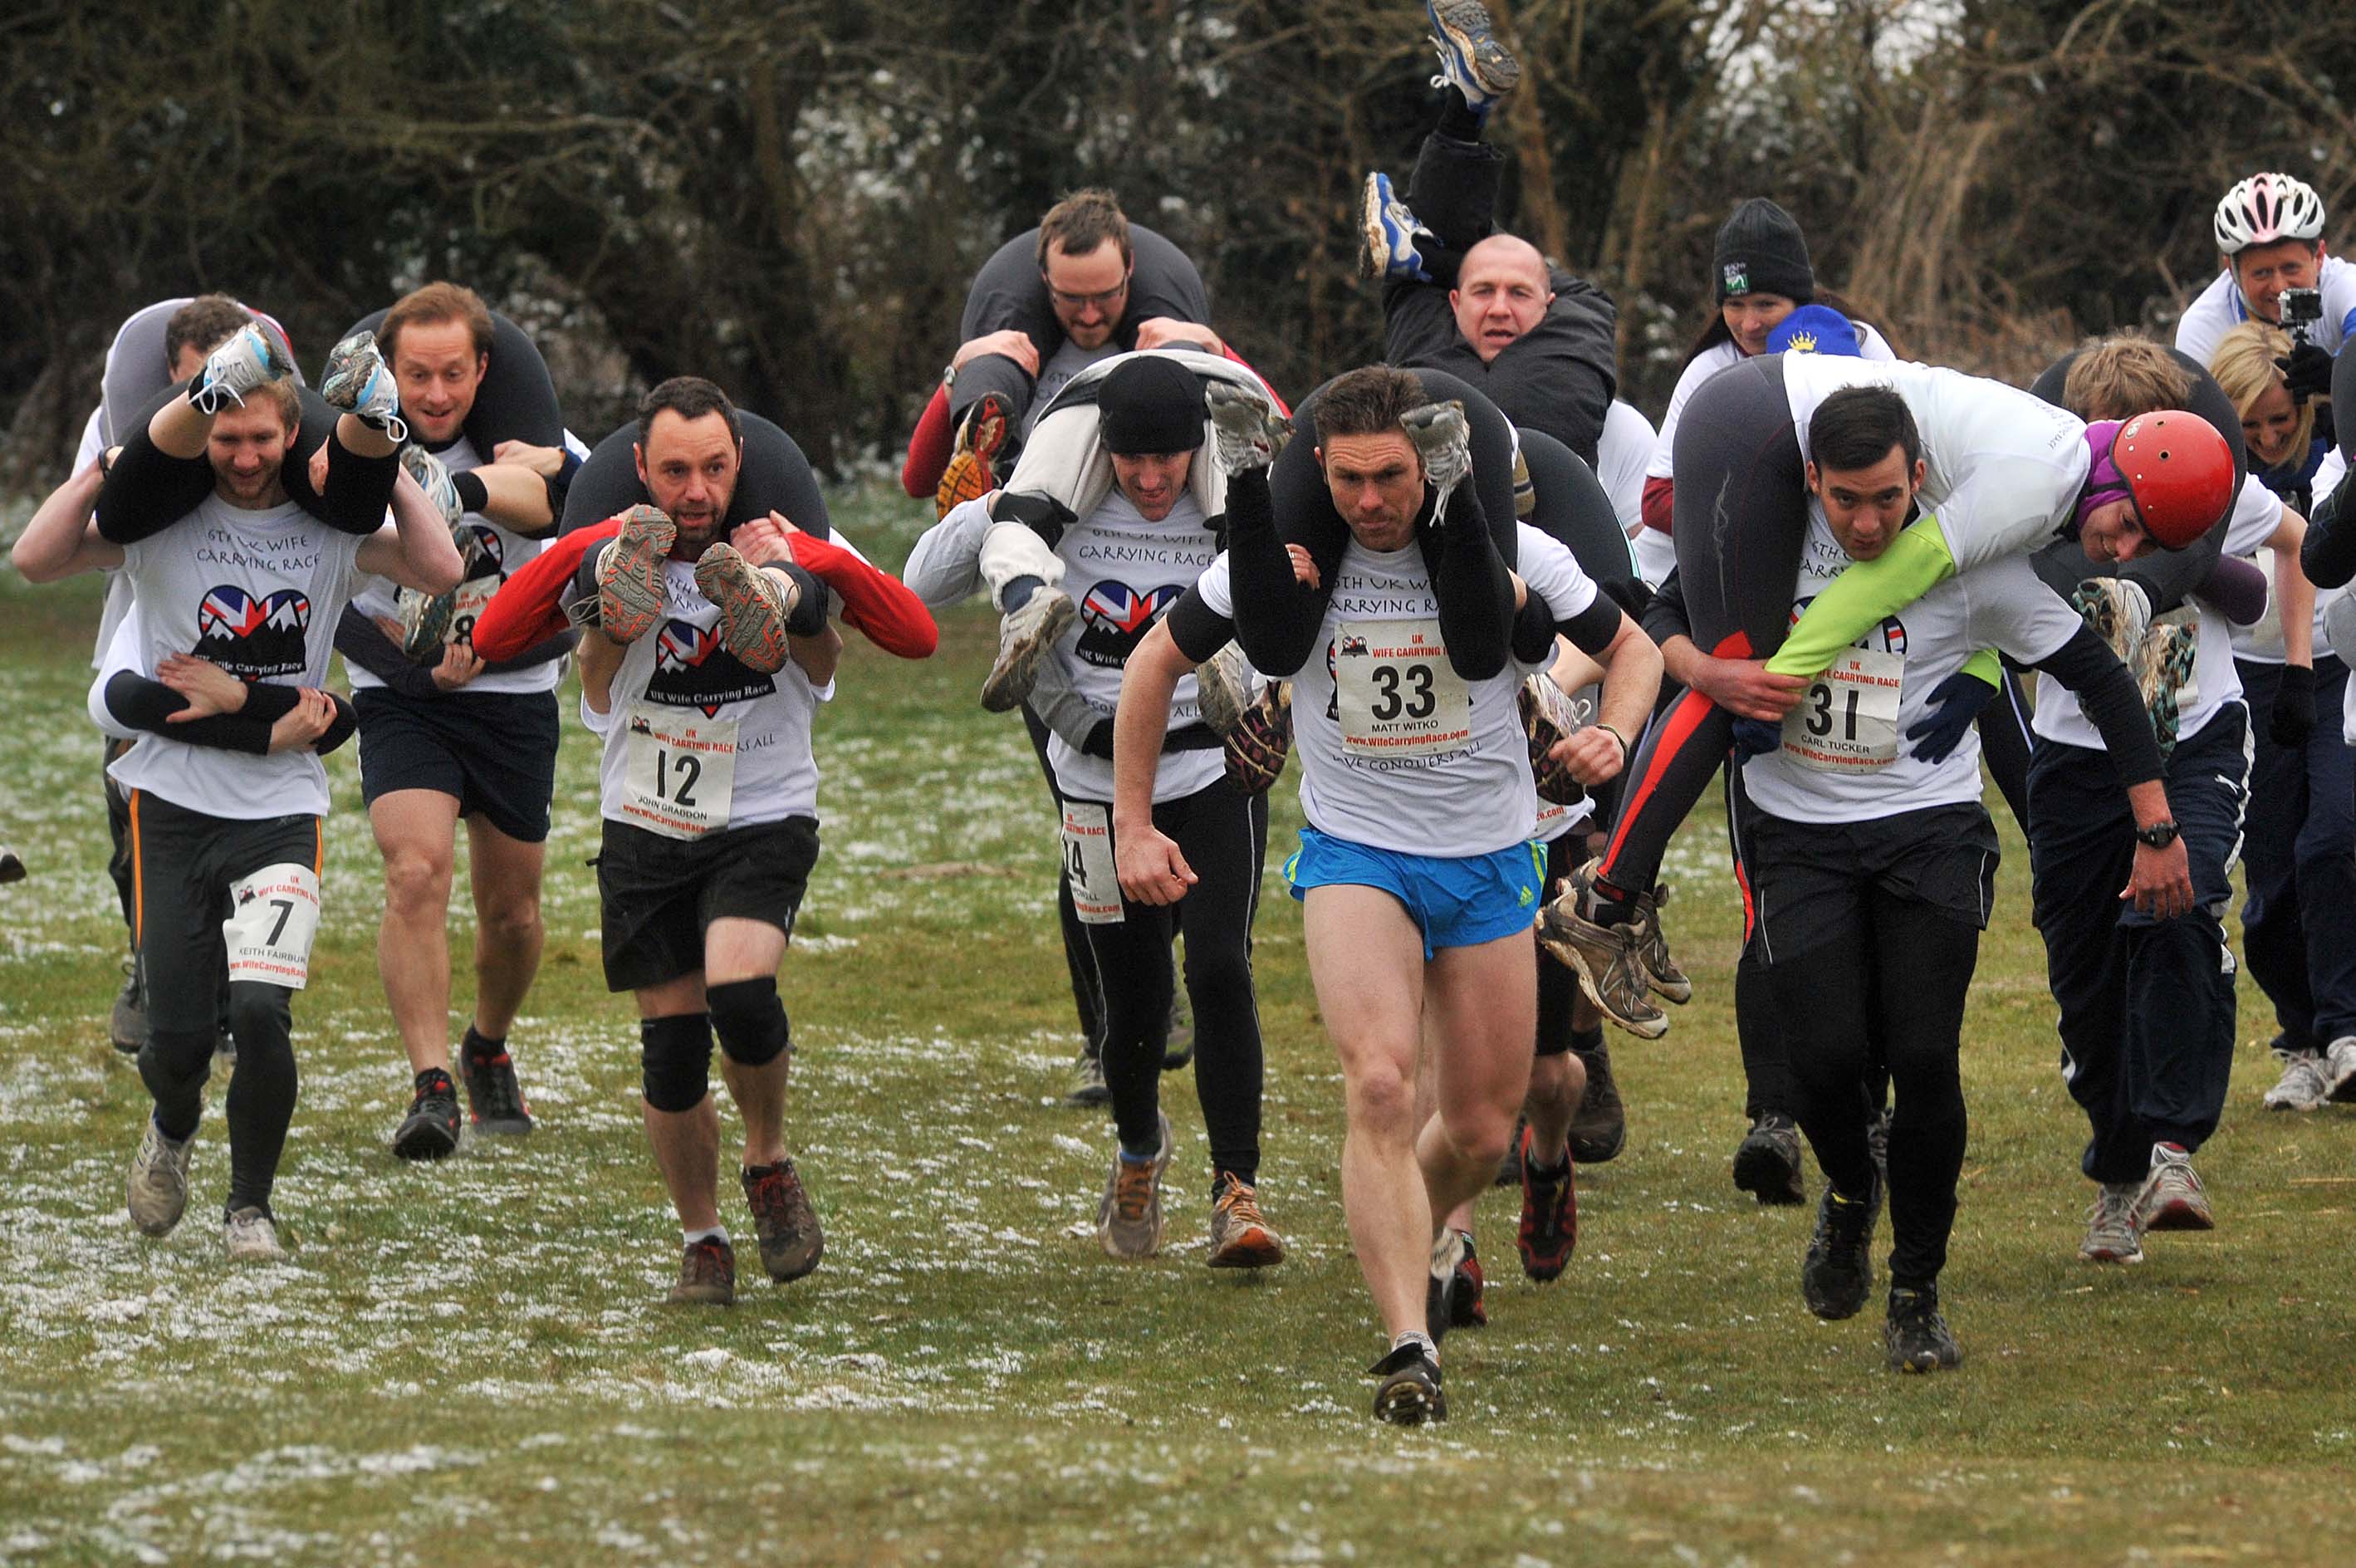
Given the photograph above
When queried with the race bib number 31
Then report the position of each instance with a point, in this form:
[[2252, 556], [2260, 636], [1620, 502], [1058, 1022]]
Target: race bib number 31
[[1087, 863], [274, 915], [680, 772], [1847, 722], [1395, 692]]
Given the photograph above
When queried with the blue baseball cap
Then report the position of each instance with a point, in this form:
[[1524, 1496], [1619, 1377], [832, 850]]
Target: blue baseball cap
[[1814, 329]]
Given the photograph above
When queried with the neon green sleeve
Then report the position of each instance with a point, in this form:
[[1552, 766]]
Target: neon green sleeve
[[1983, 666], [1855, 602]]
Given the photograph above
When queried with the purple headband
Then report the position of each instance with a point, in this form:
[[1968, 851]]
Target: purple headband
[[2104, 483]]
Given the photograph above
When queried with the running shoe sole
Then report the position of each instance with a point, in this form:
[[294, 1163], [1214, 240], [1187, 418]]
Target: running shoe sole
[[1022, 647], [630, 574], [1407, 1399], [1467, 34], [423, 1137], [753, 607], [1761, 1170]]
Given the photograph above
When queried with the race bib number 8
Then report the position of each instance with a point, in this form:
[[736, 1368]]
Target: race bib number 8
[[1395, 693], [680, 772], [1847, 722], [1087, 863], [275, 913]]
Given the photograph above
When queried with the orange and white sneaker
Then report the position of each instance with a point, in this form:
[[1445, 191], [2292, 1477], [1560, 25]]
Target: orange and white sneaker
[[1241, 1237], [753, 605], [972, 473], [630, 574]]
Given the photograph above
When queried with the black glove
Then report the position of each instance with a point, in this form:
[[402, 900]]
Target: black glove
[[1755, 737], [2292, 719], [1955, 702], [1043, 515], [2307, 372]]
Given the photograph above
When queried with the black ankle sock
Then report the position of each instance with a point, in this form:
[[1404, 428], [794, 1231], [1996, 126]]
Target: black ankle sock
[[1017, 593], [1459, 121], [482, 1048], [473, 494], [427, 1078], [1586, 1042]]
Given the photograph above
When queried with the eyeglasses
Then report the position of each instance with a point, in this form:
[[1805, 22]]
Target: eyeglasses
[[1104, 300]]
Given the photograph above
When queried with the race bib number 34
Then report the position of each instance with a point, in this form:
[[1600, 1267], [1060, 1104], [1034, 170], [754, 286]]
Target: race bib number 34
[[1395, 694], [1847, 722], [680, 772], [1087, 862], [274, 915]]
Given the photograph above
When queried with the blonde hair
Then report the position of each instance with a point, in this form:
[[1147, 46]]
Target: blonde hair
[[2124, 375], [2244, 366]]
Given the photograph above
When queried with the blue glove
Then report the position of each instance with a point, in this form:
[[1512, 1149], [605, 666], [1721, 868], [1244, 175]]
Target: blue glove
[[1955, 701], [1755, 737]]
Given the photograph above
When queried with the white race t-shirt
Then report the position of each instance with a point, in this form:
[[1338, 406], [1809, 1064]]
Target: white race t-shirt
[[256, 593], [2257, 512], [1845, 756], [1717, 357], [2218, 309], [1124, 574], [1398, 751], [504, 551], [118, 586], [695, 741]]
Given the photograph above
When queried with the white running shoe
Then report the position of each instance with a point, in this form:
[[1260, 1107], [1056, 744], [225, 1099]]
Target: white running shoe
[[251, 359], [1444, 437], [359, 382], [2339, 1068], [1024, 635], [159, 1181], [2305, 1084], [1128, 1217], [1246, 432], [2171, 1197], [249, 1236], [2113, 1234]]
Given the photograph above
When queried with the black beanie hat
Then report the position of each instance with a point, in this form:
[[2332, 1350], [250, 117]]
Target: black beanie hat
[[1150, 405], [1761, 250]]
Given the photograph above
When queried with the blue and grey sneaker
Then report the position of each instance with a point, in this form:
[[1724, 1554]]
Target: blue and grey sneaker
[[251, 359], [359, 382], [1391, 231], [1471, 60]]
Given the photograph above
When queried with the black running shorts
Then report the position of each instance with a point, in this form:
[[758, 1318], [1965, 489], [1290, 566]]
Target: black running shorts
[[662, 894], [1806, 878], [493, 752]]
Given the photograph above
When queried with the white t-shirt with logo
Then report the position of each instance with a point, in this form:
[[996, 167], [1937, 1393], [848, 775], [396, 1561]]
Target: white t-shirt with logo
[[1871, 345], [504, 551], [1845, 756], [257, 594], [2257, 512], [1398, 751], [2218, 309], [1124, 573], [696, 742]]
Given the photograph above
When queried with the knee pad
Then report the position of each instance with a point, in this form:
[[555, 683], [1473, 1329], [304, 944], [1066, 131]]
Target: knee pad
[[749, 1020], [675, 1060]]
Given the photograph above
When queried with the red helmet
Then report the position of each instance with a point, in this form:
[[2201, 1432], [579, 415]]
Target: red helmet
[[2180, 471]]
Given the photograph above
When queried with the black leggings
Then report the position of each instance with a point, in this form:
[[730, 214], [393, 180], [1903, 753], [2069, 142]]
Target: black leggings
[[517, 399], [1224, 839], [1557, 983], [773, 477], [147, 491], [1757, 1022], [1079, 962], [187, 862]]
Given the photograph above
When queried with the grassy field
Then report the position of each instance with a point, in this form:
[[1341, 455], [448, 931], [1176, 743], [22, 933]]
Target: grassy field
[[470, 1362]]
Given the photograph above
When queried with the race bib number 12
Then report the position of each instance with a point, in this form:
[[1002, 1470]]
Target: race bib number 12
[[1395, 694], [680, 772], [1847, 722], [1087, 863], [275, 913]]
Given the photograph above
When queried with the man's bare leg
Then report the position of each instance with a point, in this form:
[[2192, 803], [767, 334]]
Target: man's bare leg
[[505, 875], [1484, 1005], [686, 1143], [415, 833], [747, 950]]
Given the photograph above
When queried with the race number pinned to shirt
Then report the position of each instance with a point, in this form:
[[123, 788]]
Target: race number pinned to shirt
[[1087, 863], [275, 913], [1847, 722], [680, 771], [1395, 693]]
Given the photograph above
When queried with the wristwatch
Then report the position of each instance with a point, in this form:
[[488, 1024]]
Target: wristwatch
[[2159, 835], [949, 375]]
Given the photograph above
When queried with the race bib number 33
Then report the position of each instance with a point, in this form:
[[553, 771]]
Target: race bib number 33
[[1395, 694], [680, 772], [274, 915], [1847, 722]]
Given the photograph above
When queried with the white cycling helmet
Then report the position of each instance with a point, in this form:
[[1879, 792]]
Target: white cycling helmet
[[2266, 208]]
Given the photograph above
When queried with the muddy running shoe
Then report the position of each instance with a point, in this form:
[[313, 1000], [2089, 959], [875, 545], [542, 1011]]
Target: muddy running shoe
[[1549, 1215], [425, 622], [2339, 1068], [251, 1236], [972, 473], [1024, 635], [1390, 231], [1667, 981], [1246, 432], [158, 1188], [1471, 60], [707, 1275], [433, 476], [2117, 611], [1223, 690], [2163, 668], [1547, 722], [753, 606], [1128, 1217], [1443, 437], [1409, 1392], [1088, 1081], [2305, 1084], [1256, 752], [1598, 1129], [630, 574], [359, 382], [1915, 1337], [1606, 957], [494, 1099], [786, 1226], [2171, 1197], [250, 359], [1767, 1160], [126, 1024], [430, 1131], [1837, 1271], [1240, 1237], [2113, 1234]]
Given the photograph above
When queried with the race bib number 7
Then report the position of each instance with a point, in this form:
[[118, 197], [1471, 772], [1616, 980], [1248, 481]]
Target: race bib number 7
[[1395, 693], [1847, 722], [1089, 864], [274, 915], [680, 771]]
